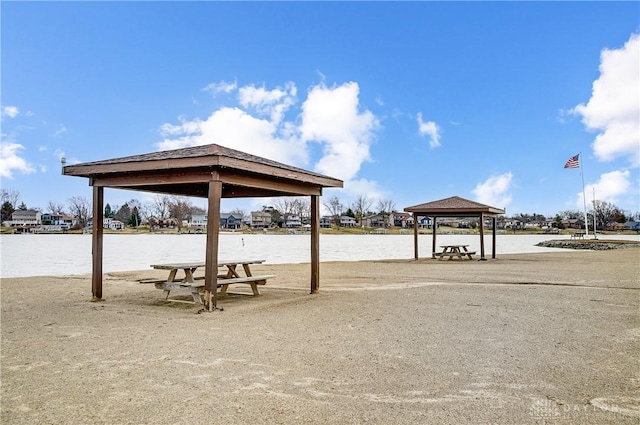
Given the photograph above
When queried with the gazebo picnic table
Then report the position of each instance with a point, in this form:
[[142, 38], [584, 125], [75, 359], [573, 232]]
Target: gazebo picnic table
[[209, 171], [454, 206], [195, 285], [457, 251]]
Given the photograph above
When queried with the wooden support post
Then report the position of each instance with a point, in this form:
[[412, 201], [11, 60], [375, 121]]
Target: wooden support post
[[434, 227], [315, 244], [415, 235], [96, 243], [482, 238], [213, 233], [493, 248]]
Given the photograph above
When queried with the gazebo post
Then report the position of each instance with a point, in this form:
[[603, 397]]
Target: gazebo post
[[213, 233], [415, 235], [315, 244], [493, 247], [434, 228], [96, 243], [482, 238]]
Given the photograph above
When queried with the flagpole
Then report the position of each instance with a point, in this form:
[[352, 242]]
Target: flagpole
[[595, 233], [584, 198]]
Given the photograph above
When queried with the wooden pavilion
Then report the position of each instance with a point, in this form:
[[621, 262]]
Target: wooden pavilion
[[209, 171], [454, 207]]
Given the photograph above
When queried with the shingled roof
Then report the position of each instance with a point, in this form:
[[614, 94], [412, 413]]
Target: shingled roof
[[186, 172], [454, 206]]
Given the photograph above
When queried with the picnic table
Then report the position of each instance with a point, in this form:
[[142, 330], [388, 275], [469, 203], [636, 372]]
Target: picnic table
[[578, 235], [451, 251], [195, 285]]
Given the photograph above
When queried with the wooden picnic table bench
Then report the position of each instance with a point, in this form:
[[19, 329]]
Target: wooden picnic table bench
[[195, 285], [451, 251]]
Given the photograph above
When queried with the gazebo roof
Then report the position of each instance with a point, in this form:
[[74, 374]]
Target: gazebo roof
[[187, 172], [454, 206]]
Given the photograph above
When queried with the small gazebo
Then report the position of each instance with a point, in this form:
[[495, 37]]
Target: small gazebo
[[209, 171], [454, 207]]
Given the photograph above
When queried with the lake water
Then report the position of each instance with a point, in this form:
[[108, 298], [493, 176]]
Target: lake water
[[59, 255]]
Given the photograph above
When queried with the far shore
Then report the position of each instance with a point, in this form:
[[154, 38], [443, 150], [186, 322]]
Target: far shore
[[525, 338]]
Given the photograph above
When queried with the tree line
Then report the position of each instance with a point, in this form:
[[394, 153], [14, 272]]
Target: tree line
[[164, 207]]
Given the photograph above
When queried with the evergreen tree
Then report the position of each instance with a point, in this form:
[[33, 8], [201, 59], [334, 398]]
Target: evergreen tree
[[108, 213]]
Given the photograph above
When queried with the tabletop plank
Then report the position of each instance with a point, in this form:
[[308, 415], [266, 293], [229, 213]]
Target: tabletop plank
[[196, 264]]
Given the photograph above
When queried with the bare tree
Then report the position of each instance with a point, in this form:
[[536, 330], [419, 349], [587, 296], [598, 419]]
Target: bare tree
[[180, 208], [360, 206], [302, 208], [80, 208], [335, 208], [159, 206], [285, 207], [385, 208], [571, 214], [238, 212], [11, 196], [606, 213], [55, 207]]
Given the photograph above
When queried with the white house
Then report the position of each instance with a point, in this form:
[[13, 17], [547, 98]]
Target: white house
[[198, 221], [346, 221]]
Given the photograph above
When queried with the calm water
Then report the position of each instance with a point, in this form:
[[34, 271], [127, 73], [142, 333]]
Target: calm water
[[42, 255]]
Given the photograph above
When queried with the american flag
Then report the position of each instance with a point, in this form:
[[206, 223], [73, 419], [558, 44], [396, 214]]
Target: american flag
[[573, 162]]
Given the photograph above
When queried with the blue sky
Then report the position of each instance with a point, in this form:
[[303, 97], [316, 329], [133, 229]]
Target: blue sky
[[410, 102]]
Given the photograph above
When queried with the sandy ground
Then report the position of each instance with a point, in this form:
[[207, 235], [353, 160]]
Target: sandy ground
[[524, 339]]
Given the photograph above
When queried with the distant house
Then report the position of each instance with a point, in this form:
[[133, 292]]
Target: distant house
[[376, 220], [107, 223], [632, 225], [198, 222], [28, 218], [112, 224], [230, 221], [260, 220], [401, 219], [573, 223], [346, 221], [615, 226], [293, 221], [425, 222], [326, 222]]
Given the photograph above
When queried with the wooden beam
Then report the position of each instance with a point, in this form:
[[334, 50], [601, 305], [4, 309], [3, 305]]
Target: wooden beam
[[493, 248], [153, 178], [96, 243], [434, 228], [213, 233], [415, 235], [315, 244], [482, 238], [274, 184]]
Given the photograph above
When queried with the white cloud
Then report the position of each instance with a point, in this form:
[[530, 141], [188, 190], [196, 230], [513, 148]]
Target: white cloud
[[236, 129], [221, 87], [273, 103], [369, 188], [331, 117], [11, 161], [495, 191], [431, 129], [10, 111], [610, 188], [614, 107]]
